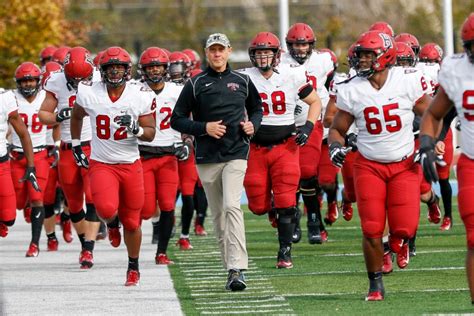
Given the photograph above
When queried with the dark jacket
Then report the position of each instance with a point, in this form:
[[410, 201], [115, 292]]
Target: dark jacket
[[211, 96]]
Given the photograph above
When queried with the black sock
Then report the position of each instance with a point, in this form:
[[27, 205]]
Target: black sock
[[312, 207], [375, 281], [331, 194], [164, 231], [89, 245], [411, 241], [386, 247], [114, 223], [65, 217], [432, 199], [187, 211], [132, 263], [37, 219], [82, 239], [52, 235], [200, 204], [286, 227], [447, 195]]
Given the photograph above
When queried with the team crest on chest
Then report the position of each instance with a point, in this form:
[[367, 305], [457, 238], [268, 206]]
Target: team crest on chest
[[233, 86]]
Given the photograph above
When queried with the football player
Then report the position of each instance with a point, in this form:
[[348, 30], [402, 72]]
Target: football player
[[273, 171], [30, 97], [120, 113], [383, 27], [46, 55], [381, 101], [316, 169], [456, 79], [61, 89]]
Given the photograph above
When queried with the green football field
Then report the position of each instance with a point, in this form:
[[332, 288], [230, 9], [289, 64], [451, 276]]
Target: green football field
[[326, 279]]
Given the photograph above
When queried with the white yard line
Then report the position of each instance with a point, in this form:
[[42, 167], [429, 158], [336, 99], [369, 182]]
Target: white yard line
[[364, 293]]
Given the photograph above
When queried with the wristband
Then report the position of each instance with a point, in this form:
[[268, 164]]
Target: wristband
[[75, 142], [140, 131]]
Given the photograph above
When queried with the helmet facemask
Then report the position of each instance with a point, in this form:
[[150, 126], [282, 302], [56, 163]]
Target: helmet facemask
[[298, 54], [177, 72], [468, 48], [110, 74], [264, 62], [363, 68], [153, 74], [25, 88]]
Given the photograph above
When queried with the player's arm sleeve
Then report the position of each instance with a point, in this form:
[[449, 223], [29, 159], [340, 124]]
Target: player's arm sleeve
[[445, 78], [180, 120], [10, 102], [253, 105], [417, 86], [343, 102], [304, 87], [447, 120]]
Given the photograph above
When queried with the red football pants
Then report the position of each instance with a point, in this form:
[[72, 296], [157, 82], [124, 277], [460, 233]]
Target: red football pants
[[118, 187], [7, 194], [465, 174], [311, 153], [347, 171], [443, 172], [387, 190], [326, 170], [50, 191], [160, 177], [188, 175], [272, 170]]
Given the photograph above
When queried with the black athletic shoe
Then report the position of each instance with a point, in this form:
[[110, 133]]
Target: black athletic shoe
[[235, 281], [314, 234]]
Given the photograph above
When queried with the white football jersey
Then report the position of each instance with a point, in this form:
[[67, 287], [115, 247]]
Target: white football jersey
[[338, 78], [431, 70], [8, 104], [279, 93], [49, 136], [318, 66], [112, 143], [165, 102], [457, 79], [383, 117], [29, 114], [57, 85]]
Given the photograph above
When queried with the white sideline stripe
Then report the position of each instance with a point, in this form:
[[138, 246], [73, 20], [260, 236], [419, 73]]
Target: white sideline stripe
[[276, 311], [244, 293], [217, 280], [220, 289], [242, 307], [220, 274], [276, 298], [213, 270], [360, 293], [355, 254], [219, 285]]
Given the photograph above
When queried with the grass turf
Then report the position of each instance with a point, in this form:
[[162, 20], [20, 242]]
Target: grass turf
[[328, 278]]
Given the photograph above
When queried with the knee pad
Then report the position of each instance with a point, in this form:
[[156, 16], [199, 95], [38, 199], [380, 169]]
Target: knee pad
[[308, 186], [48, 211], [372, 229], [77, 217], [91, 215], [9, 223], [287, 215]]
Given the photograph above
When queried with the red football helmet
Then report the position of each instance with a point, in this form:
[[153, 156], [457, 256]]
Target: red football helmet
[[351, 56], [60, 54], [167, 52], [300, 33], [431, 53], [47, 54], [467, 36], [333, 56], [179, 68], [115, 56], [48, 69], [265, 41], [383, 27], [78, 66], [28, 71], [194, 56], [409, 39], [97, 58], [383, 48], [153, 56], [405, 55]]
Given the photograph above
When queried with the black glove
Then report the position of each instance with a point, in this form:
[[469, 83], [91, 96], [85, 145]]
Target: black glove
[[30, 175], [351, 141], [428, 158], [302, 134], [63, 114], [80, 157], [181, 151], [54, 151], [337, 154], [127, 121]]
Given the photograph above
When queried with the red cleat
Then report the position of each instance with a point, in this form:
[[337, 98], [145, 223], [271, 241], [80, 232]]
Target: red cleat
[[434, 213], [403, 257], [332, 214], [324, 235], [67, 231], [184, 244], [387, 263], [347, 210], [33, 251], [374, 296], [395, 243], [27, 214], [53, 244], [133, 278], [199, 230], [115, 237], [86, 259], [447, 223], [162, 258], [3, 230], [284, 264]]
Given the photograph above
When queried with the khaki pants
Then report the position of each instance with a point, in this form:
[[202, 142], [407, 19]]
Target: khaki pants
[[223, 184]]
